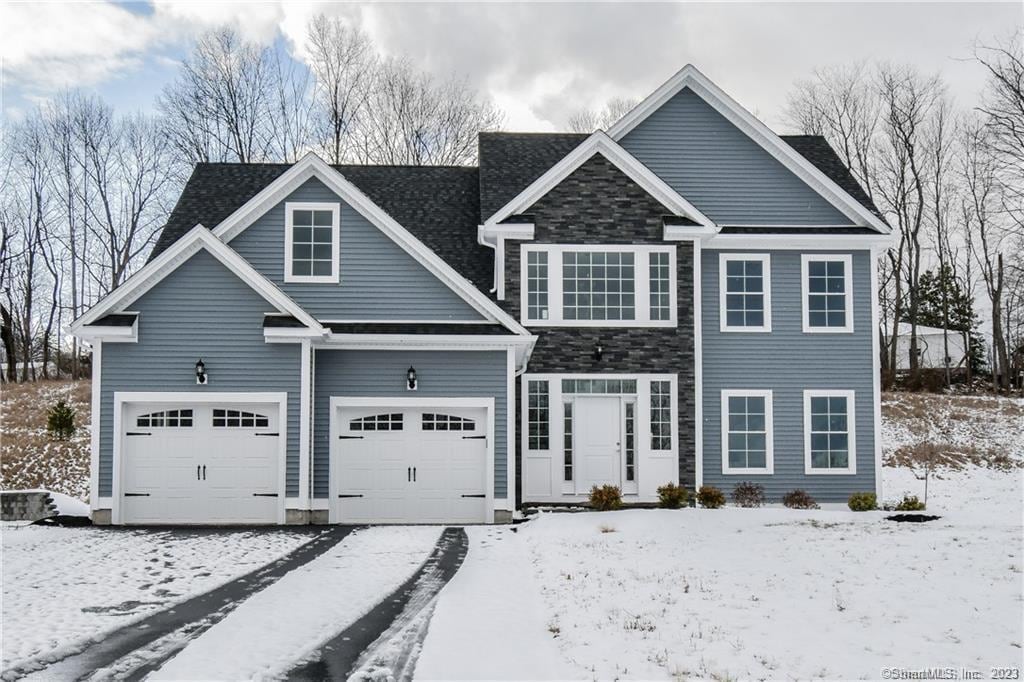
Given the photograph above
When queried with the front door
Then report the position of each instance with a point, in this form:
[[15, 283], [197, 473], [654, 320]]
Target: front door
[[597, 430]]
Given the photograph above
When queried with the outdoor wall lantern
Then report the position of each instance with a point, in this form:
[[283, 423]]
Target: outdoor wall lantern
[[411, 378], [201, 375], [598, 353]]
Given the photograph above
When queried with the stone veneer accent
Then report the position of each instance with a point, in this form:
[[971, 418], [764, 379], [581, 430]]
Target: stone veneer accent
[[599, 204]]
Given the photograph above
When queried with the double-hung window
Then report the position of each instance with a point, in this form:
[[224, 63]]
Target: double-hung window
[[745, 295], [829, 434], [599, 286], [311, 242], [747, 432], [827, 293]]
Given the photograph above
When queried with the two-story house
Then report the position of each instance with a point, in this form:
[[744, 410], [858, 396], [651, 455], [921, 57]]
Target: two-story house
[[686, 297]]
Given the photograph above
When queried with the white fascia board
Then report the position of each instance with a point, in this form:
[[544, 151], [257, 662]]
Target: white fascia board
[[490, 232], [682, 233], [110, 334], [523, 345], [691, 77], [313, 166], [181, 251], [800, 242], [600, 143]]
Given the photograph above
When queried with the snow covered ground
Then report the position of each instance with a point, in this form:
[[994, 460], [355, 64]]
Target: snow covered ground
[[62, 587], [277, 628]]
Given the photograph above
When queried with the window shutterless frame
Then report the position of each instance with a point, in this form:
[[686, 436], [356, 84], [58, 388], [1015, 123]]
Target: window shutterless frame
[[805, 267], [766, 291], [290, 208], [851, 429], [769, 431], [641, 285]]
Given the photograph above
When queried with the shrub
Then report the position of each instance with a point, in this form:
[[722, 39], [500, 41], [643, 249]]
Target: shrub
[[60, 421], [747, 494], [605, 498], [863, 502], [910, 503], [710, 497], [799, 499], [672, 496]]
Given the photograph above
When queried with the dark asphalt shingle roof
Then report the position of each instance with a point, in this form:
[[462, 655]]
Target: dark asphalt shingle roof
[[437, 204], [116, 320], [819, 152], [418, 328]]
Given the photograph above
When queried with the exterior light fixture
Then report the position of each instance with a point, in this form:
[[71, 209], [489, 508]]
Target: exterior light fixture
[[598, 353], [201, 375], [411, 378]]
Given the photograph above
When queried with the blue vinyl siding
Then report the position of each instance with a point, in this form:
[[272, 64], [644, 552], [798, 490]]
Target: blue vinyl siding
[[723, 172], [379, 280], [448, 374], [201, 310], [788, 361]]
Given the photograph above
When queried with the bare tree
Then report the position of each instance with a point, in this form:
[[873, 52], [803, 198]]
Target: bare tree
[[343, 62], [417, 120], [589, 120]]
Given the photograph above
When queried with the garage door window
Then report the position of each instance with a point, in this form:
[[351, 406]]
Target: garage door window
[[377, 422], [171, 418], [446, 422], [239, 419]]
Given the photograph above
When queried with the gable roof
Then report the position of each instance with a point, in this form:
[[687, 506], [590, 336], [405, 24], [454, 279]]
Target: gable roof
[[599, 143], [195, 240], [690, 77]]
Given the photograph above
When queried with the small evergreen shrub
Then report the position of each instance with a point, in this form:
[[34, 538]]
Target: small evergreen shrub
[[710, 497], [863, 502], [60, 421], [605, 498], [799, 499], [747, 494], [910, 503], [672, 496]]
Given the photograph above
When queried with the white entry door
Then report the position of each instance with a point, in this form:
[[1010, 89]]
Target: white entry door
[[597, 434], [410, 465], [200, 463]]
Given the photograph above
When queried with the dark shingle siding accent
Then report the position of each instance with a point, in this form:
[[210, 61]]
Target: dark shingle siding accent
[[598, 204], [509, 162]]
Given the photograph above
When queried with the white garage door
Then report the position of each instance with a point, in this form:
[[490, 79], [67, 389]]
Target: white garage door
[[203, 463], [411, 465]]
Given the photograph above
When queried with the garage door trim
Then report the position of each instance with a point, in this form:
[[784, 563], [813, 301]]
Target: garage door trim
[[124, 398], [338, 402]]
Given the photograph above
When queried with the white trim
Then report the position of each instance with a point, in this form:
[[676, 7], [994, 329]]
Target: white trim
[[876, 379], [676, 233], [488, 233], [289, 209], [337, 402], [305, 423], [312, 166], [369, 321], [178, 253], [600, 143], [690, 77], [122, 398], [851, 429], [112, 334], [799, 242], [698, 362], [847, 261], [96, 420], [641, 289], [769, 435], [766, 279], [510, 431]]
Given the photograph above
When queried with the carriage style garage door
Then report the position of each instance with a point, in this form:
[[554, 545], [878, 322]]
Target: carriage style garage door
[[200, 463], [410, 464]]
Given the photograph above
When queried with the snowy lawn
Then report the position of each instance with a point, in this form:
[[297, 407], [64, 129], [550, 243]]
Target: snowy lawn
[[63, 587], [272, 631]]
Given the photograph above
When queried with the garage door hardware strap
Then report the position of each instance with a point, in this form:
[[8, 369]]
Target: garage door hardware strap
[[266, 434], [203, 468], [349, 495], [473, 437], [351, 437], [137, 433], [475, 495], [264, 494], [136, 494]]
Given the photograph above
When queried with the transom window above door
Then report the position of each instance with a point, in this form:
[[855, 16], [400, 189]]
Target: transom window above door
[[311, 242], [598, 286], [745, 292]]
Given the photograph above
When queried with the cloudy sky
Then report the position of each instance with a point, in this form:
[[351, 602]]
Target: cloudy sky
[[538, 61]]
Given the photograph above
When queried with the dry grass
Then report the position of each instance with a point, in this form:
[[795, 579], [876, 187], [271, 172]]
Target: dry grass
[[950, 456], [29, 457]]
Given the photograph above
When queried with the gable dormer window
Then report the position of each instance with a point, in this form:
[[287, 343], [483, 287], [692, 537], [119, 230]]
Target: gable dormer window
[[311, 242]]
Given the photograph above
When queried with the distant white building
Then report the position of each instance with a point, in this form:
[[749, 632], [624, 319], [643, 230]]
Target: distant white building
[[931, 347]]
